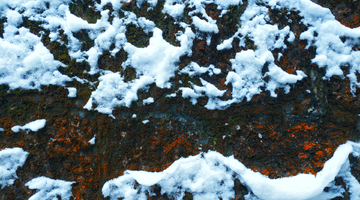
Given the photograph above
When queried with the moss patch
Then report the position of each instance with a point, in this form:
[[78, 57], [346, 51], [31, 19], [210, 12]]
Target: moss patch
[[136, 36], [85, 9]]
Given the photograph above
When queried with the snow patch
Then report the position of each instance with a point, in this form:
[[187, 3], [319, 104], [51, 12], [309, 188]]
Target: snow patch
[[33, 126], [72, 92], [10, 160], [47, 188], [149, 100], [211, 176], [92, 141], [26, 63]]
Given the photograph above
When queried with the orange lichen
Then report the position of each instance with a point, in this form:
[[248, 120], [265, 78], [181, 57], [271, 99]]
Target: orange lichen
[[308, 146], [302, 127], [302, 155], [180, 140]]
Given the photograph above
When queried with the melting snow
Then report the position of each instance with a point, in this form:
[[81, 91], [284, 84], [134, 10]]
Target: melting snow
[[10, 160], [33, 126], [47, 188], [211, 176], [26, 63], [72, 92], [92, 141], [149, 100]]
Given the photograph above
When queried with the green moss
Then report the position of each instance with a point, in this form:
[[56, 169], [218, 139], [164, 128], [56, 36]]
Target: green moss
[[77, 69], [129, 74], [136, 36], [85, 9], [163, 21], [249, 43], [285, 17], [34, 26], [2, 21], [83, 37], [108, 62], [60, 52]]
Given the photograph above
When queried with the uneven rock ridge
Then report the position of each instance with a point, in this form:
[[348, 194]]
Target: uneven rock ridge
[[273, 83]]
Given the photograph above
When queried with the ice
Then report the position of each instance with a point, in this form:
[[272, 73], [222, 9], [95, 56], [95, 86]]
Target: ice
[[33, 126], [10, 160], [211, 176], [47, 188]]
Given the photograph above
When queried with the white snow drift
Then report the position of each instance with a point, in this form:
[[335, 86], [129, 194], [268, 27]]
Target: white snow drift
[[211, 176], [10, 160]]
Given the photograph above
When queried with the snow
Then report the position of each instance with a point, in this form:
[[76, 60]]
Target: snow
[[47, 188], [176, 11], [159, 58], [193, 69], [10, 160], [33, 126], [149, 100], [331, 51], [205, 26], [72, 92], [26, 63], [92, 141], [211, 176]]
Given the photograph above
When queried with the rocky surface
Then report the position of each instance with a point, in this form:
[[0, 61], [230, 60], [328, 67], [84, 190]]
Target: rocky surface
[[279, 137]]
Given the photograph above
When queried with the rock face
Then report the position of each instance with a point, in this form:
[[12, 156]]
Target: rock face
[[295, 132]]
